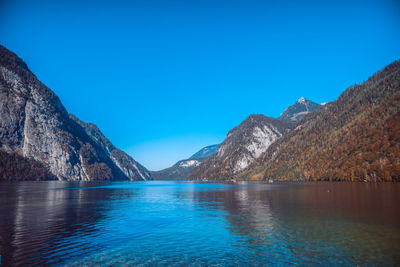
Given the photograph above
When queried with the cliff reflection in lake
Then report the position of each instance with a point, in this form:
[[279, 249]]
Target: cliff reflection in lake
[[43, 222], [199, 223]]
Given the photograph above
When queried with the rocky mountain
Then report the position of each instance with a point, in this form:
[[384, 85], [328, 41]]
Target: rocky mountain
[[181, 169], [242, 146], [298, 110], [355, 138], [40, 140], [132, 169]]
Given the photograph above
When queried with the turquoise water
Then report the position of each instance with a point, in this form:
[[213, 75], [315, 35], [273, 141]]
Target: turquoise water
[[197, 224]]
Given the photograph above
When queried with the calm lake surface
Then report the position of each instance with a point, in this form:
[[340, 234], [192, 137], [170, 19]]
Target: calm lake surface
[[197, 224]]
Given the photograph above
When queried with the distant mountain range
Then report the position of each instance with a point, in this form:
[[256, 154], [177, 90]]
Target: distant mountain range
[[181, 169], [40, 140]]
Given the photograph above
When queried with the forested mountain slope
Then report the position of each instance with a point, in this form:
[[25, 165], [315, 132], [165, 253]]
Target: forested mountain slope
[[355, 138]]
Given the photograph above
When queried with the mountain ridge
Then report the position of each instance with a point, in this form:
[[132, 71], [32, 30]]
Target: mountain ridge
[[205, 151], [181, 169]]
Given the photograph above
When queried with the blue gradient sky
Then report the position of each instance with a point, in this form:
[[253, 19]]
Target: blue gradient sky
[[162, 79]]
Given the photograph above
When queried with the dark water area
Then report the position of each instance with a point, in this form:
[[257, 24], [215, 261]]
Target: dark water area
[[197, 224]]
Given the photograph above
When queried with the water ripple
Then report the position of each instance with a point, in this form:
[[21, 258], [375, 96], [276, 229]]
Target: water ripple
[[197, 224]]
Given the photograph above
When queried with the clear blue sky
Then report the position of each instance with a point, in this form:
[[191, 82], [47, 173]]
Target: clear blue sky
[[162, 79]]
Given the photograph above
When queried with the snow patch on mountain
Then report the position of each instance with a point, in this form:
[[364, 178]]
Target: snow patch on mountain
[[302, 100], [181, 169], [189, 163]]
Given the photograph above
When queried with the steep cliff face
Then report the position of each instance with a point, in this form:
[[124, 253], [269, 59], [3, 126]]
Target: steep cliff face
[[181, 169], [36, 126], [131, 168], [355, 138], [242, 146]]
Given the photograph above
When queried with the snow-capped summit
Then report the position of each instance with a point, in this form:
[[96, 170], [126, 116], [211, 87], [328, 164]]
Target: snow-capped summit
[[302, 100], [298, 110]]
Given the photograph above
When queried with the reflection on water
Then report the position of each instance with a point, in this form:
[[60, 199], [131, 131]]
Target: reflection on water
[[185, 223]]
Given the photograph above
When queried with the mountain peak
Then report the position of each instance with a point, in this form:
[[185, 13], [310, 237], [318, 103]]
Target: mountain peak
[[302, 100], [298, 110]]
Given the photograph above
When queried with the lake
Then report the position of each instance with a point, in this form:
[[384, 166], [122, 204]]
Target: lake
[[197, 224]]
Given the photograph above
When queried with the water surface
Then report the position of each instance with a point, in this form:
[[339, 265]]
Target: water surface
[[197, 224]]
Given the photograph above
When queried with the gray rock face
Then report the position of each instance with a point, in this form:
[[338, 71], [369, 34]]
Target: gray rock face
[[242, 146], [132, 169], [35, 125]]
